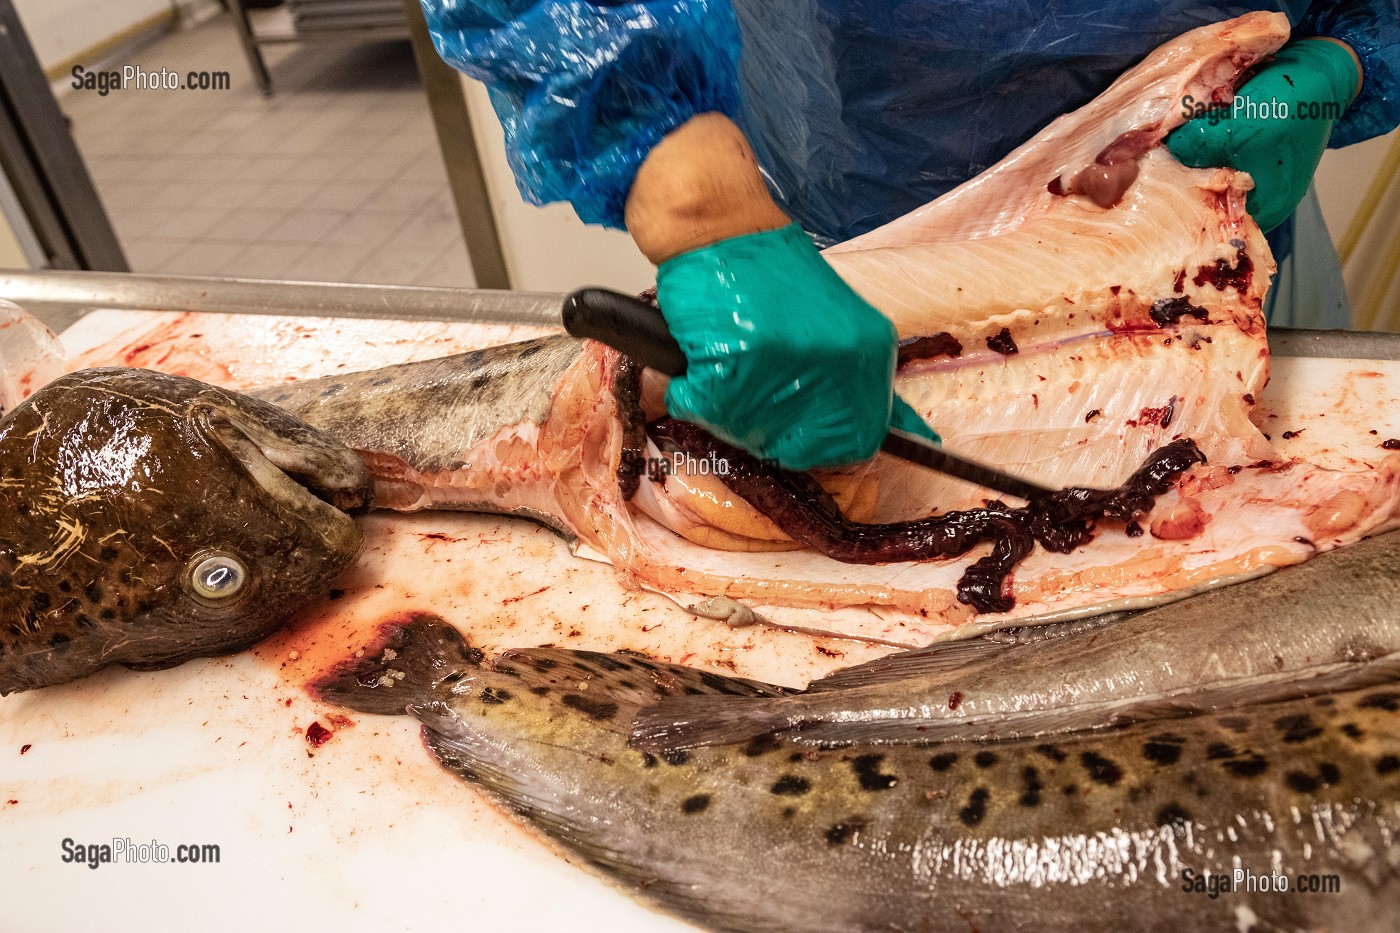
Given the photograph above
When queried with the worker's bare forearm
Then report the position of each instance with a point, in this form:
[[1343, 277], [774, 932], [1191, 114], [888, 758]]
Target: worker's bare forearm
[[701, 184]]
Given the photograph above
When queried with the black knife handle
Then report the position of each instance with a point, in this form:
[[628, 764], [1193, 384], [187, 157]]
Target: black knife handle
[[626, 324]]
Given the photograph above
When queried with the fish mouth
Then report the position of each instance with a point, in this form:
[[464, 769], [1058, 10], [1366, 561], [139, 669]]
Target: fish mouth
[[306, 473]]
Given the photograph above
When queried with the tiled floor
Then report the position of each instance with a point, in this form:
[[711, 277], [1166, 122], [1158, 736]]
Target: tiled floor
[[336, 178]]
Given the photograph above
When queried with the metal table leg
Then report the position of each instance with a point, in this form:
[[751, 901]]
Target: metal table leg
[[250, 47]]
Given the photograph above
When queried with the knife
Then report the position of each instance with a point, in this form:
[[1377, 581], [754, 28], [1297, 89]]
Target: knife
[[637, 329]]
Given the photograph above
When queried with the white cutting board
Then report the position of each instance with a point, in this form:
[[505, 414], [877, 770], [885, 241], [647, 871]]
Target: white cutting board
[[365, 832]]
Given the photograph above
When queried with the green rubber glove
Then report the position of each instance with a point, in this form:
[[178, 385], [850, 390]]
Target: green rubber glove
[[1278, 126], [784, 359]]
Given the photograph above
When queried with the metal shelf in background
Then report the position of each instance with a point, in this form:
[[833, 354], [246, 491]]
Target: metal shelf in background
[[73, 293], [253, 40], [64, 296], [451, 121]]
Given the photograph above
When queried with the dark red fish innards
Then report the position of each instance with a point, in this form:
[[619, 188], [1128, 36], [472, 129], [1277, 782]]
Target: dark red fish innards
[[1061, 522]]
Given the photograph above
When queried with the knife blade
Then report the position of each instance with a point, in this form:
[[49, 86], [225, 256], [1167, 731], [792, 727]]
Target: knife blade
[[637, 329]]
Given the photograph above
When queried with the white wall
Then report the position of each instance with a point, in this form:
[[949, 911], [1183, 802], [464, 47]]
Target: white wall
[[11, 256], [549, 248], [1373, 270], [1343, 178], [61, 29]]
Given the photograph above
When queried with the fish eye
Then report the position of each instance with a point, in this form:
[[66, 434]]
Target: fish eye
[[219, 576]]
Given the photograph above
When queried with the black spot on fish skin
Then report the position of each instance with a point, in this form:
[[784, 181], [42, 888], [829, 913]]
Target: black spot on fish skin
[[715, 682], [1030, 796], [676, 757], [984, 759], [789, 812], [790, 785], [107, 554], [545, 664], [867, 768], [1351, 730], [1302, 782], [698, 803], [494, 696], [762, 745], [611, 664], [1329, 773], [1101, 770], [598, 710], [59, 640], [1387, 764], [40, 602], [1053, 752], [540, 691], [1239, 763], [1161, 753], [1252, 766], [841, 833], [1234, 723], [648, 760], [942, 761], [1297, 728], [1175, 816], [1388, 701], [976, 809]]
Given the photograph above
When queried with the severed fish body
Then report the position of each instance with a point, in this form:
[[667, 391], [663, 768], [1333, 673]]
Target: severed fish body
[[1081, 305], [1100, 831], [1225, 648]]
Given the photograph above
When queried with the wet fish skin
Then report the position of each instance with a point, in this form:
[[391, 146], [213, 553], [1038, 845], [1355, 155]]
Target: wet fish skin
[[417, 422], [116, 483], [1337, 625], [1090, 832]]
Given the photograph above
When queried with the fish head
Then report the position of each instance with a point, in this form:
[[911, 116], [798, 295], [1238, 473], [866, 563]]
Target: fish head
[[156, 519]]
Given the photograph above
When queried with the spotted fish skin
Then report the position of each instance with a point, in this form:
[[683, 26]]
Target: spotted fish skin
[[116, 483], [1091, 831], [1171, 660]]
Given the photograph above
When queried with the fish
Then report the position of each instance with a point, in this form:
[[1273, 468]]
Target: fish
[[1136, 323], [1337, 627], [1129, 828], [148, 519]]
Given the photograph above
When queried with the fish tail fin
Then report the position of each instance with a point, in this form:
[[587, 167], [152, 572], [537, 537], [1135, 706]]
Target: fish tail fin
[[405, 664], [695, 721]]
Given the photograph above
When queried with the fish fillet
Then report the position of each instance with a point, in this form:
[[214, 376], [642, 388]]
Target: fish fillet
[[1127, 326]]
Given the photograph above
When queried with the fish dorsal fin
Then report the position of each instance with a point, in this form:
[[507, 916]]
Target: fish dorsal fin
[[944, 657], [624, 677]]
